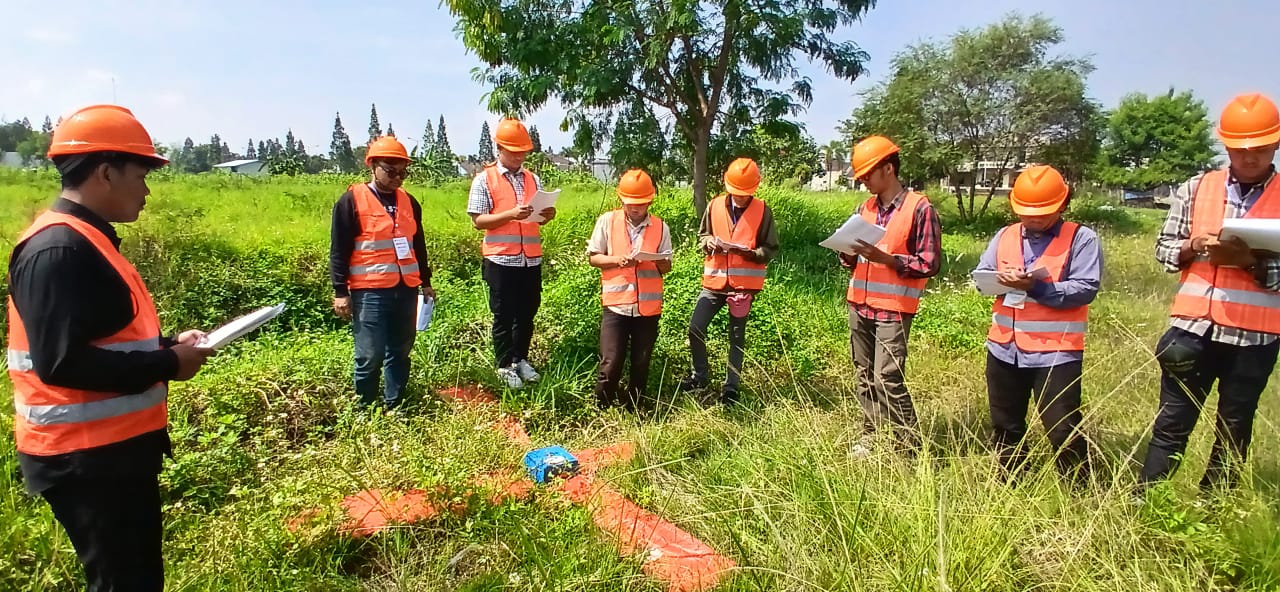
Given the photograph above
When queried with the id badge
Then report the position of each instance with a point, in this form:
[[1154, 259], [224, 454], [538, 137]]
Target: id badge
[[402, 247], [1016, 299]]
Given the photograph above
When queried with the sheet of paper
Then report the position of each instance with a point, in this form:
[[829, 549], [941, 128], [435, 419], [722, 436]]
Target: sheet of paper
[[1258, 233], [426, 307], [853, 230], [541, 201], [643, 256], [988, 285], [727, 246], [229, 332]]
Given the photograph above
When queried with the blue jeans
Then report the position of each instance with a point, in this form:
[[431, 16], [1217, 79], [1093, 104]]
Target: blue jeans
[[383, 322]]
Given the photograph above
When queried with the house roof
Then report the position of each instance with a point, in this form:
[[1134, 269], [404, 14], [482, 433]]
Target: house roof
[[236, 163]]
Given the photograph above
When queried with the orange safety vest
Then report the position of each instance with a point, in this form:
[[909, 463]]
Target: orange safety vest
[[50, 420], [373, 262], [641, 283], [731, 270], [1228, 296], [880, 286], [516, 236], [1036, 327]]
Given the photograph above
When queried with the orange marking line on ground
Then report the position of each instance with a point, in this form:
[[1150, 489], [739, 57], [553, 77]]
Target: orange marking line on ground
[[671, 554]]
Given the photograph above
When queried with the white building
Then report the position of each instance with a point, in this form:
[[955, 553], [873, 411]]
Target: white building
[[250, 167]]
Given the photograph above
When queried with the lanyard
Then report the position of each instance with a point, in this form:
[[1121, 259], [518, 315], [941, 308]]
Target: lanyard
[[391, 210]]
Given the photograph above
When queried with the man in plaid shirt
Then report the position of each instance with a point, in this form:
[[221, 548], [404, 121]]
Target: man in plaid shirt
[[1226, 315], [886, 282], [499, 205]]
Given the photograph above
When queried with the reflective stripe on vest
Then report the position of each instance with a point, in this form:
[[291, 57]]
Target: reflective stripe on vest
[[879, 286], [721, 271], [51, 420], [517, 236], [640, 284], [1228, 296], [1036, 327], [373, 262]]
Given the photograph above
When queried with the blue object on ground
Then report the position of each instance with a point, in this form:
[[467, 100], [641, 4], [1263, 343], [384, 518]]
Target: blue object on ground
[[552, 461]]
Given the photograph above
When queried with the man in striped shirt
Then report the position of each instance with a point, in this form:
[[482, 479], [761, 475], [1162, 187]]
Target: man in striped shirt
[[1226, 316]]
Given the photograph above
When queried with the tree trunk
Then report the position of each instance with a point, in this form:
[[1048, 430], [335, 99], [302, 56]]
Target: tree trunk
[[700, 148]]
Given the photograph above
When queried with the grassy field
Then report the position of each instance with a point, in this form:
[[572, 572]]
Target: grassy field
[[267, 430]]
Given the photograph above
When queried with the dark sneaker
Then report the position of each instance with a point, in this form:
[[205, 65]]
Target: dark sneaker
[[691, 383], [729, 396]]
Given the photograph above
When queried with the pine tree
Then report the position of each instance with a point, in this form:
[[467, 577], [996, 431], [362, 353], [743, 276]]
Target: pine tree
[[535, 138], [428, 141], [226, 154], [301, 149], [263, 151], [47, 128], [290, 146], [375, 128], [249, 152], [215, 149], [442, 140], [340, 148], [486, 144], [391, 131]]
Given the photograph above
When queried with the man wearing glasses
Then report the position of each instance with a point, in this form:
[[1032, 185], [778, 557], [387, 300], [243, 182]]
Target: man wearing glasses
[[378, 264]]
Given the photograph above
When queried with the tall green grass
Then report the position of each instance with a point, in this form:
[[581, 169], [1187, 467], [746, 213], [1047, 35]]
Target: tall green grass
[[268, 430]]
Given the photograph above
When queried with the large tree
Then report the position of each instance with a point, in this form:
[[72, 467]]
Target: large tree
[[1154, 141], [693, 60], [485, 153], [340, 147], [993, 98]]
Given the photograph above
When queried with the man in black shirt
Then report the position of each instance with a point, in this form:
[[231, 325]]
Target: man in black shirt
[[86, 357], [378, 264]]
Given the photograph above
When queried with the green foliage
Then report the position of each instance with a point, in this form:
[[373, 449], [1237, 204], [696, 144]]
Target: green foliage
[[486, 145], [344, 159], [695, 60], [375, 128], [267, 431], [989, 95], [638, 141], [1154, 141]]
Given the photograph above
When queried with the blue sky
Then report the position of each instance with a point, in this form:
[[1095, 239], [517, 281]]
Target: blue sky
[[253, 69]]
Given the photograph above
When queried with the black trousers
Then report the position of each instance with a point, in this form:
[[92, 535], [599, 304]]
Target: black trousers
[[115, 526], [1056, 390], [515, 293], [618, 333], [1241, 373]]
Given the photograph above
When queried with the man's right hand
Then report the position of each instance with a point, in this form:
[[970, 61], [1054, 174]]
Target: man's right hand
[[623, 261], [190, 359], [342, 306], [520, 212], [847, 260]]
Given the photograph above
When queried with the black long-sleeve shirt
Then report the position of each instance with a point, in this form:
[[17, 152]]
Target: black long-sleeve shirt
[[68, 295], [345, 228]]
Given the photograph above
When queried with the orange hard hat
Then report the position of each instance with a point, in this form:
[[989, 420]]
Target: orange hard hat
[[513, 136], [869, 152], [1249, 121], [1039, 190], [386, 147], [636, 188], [103, 128], [742, 177]]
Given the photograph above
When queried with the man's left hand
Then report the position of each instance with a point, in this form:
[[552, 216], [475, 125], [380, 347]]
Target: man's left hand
[[548, 214], [190, 337], [1233, 252], [873, 254]]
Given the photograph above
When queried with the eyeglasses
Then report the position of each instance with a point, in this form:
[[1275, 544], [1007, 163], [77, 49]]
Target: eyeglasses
[[398, 173]]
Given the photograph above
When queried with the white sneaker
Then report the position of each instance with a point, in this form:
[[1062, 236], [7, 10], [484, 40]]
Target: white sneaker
[[527, 373], [509, 377]]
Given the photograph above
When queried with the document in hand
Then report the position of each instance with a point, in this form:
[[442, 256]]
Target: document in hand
[[988, 285], [644, 256], [728, 246], [236, 329], [541, 201], [426, 307], [1258, 233], [855, 229]]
